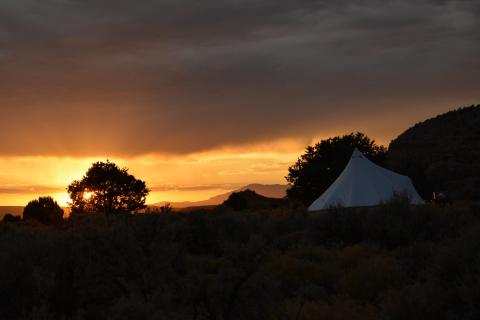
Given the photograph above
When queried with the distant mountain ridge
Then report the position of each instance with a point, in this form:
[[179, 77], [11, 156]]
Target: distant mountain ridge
[[267, 190]]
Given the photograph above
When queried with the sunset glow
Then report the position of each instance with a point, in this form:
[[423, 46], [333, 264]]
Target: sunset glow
[[239, 160], [190, 177], [87, 195], [196, 105]]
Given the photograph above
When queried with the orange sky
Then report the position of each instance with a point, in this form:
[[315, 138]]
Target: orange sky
[[196, 175], [189, 177], [198, 98], [171, 178]]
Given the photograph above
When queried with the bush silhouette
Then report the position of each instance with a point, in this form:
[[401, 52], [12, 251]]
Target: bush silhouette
[[167, 208], [387, 262], [322, 163], [107, 188], [44, 210], [250, 200], [236, 201], [11, 218]]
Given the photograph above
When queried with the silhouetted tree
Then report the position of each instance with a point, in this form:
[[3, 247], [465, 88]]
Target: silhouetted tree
[[45, 210], [109, 189], [323, 162]]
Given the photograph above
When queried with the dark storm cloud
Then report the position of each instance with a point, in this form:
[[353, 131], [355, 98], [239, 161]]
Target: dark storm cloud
[[123, 77]]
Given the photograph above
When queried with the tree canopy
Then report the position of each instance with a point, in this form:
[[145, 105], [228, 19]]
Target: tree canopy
[[323, 162], [108, 189], [44, 210]]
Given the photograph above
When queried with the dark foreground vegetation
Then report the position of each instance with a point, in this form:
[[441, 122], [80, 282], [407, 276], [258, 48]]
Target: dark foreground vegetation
[[392, 262]]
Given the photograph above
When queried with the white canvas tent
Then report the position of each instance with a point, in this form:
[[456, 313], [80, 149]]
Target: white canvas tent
[[363, 183]]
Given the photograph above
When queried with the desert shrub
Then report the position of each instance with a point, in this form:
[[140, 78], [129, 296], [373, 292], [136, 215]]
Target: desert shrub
[[338, 310], [11, 218], [44, 210], [372, 277], [415, 301], [389, 226], [388, 263], [236, 201], [416, 257]]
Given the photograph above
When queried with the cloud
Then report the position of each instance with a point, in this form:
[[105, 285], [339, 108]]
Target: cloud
[[161, 76], [205, 187], [29, 189]]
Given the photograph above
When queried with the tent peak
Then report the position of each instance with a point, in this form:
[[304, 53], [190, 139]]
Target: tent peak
[[357, 154]]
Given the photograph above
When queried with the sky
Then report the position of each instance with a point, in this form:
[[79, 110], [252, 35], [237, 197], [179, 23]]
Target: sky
[[199, 97]]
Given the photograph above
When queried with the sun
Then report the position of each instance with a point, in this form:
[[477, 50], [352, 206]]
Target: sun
[[87, 195]]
